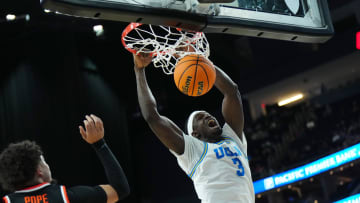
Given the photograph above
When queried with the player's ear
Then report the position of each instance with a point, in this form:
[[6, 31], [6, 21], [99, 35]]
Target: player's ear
[[39, 171]]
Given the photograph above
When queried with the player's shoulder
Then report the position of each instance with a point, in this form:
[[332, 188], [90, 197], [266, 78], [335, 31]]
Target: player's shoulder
[[193, 144], [53, 186], [228, 132], [191, 139]]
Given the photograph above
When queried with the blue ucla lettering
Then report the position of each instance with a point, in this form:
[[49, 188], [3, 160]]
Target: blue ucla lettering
[[219, 156], [228, 152], [220, 152]]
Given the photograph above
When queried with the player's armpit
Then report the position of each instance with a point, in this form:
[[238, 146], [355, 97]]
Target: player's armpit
[[111, 194]]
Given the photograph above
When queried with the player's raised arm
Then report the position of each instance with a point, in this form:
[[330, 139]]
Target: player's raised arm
[[93, 134], [232, 108], [166, 130]]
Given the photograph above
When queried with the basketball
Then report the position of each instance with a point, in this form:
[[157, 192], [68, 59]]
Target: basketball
[[194, 75]]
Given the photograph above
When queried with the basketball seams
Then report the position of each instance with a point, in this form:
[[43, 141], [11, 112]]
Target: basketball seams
[[190, 60], [182, 74], [188, 78], [188, 56], [208, 63], [207, 77], [197, 58], [196, 69]]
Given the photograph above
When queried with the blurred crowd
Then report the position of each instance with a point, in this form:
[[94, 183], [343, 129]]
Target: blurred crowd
[[274, 6], [289, 137]]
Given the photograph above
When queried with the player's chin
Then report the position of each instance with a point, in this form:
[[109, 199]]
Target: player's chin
[[216, 131]]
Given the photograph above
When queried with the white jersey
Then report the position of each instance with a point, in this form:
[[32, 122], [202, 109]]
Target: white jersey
[[220, 171]]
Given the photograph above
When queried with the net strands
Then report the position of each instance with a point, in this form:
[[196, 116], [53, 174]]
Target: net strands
[[166, 44]]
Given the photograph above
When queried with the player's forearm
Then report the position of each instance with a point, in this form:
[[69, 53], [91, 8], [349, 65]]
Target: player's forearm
[[113, 170], [146, 99], [224, 83]]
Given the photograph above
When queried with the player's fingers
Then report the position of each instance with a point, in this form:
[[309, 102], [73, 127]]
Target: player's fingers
[[91, 120], [86, 124], [82, 132], [146, 55], [91, 123], [98, 122], [137, 53], [143, 55]]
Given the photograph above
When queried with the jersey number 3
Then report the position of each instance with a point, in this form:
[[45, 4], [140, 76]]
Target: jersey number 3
[[221, 152], [241, 170]]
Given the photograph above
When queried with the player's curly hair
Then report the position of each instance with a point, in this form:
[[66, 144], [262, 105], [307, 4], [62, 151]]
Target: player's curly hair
[[18, 164]]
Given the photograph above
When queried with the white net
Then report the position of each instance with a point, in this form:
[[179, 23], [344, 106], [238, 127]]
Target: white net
[[166, 44]]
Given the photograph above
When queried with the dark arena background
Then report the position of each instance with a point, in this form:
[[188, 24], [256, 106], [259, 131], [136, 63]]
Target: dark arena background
[[54, 69]]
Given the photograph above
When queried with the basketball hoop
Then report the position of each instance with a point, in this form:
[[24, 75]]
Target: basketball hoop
[[166, 44]]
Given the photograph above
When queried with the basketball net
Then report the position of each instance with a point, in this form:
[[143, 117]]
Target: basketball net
[[166, 44]]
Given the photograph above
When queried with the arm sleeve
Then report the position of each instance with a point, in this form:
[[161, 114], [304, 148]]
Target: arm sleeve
[[86, 194], [114, 173], [194, 148]]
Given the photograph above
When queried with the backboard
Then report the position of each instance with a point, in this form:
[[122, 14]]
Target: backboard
[[294, 20]]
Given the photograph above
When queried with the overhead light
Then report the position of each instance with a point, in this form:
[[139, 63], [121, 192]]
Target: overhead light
[[290, 99], [98, 29], [10, 17], [47, 11]]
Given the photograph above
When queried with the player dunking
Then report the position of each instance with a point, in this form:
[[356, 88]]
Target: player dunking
[[214, 157], [24, 172]]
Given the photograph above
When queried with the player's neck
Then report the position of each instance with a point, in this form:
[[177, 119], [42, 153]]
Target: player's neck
[[36, 181], [213, 140]]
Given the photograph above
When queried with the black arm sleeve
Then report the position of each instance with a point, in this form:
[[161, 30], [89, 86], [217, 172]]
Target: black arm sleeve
[[113, 170], [86, 194]]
